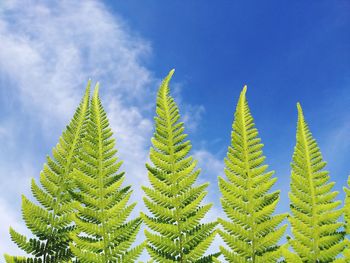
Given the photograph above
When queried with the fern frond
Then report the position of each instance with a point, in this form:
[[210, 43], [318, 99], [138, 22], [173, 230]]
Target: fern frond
[[174, 203], [290, 256], [314, 214], [252, 232], [51, 220], [102, 234], [346, 252]]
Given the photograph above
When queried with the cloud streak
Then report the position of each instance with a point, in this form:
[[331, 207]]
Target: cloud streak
[[48, 51]]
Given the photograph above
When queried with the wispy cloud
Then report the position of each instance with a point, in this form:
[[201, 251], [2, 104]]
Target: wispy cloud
[[48, 51], [9, 218], [191, 114]]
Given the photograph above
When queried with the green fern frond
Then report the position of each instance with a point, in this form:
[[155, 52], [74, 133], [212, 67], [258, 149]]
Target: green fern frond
[[19, 259], [173, 201], [346, 252], [290, 256], [102, 234], [252, 232], [51, 220], [315, 216]]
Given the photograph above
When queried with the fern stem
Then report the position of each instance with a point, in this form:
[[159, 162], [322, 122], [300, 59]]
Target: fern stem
[[249, 183], [172, 154], [315, 235], [100, 175]]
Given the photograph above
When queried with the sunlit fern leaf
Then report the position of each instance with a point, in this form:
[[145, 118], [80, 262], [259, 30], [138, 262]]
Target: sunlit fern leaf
[[290, 256], [103, 234], [314, 215], [346, 252], [174, 202], [51, 220], [252, 230]]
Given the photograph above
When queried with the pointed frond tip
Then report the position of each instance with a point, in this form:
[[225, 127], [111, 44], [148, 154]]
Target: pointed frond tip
[[301, 117], [171, 72], [242, 96], [164, 87], [300, 109], [87, 91], [97, 89], [244, 90], [169, 76], [88, 86]]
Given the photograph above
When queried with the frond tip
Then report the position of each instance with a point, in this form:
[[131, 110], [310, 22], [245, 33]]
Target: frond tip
[[244, 90]]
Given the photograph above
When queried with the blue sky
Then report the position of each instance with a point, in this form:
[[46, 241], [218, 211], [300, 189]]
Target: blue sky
[[285, 52]]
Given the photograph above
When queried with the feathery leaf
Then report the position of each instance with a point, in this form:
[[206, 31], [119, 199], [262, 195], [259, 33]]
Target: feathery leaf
[[173, 201], [252, 231], [314, 218], [51, 220], [102, 234]]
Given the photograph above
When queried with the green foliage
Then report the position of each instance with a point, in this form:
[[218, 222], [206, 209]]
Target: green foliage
[[252, 232], [174, 202], [314, 218], [102, 234], [50, 221], [81, 210], [346, 252]]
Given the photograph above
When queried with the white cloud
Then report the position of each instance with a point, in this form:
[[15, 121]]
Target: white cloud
[[48, 51], [133, 133], [210, 164], [4, 131], [211, 167], [335, 149], [191, 114], [9, 218], [338, 139]]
